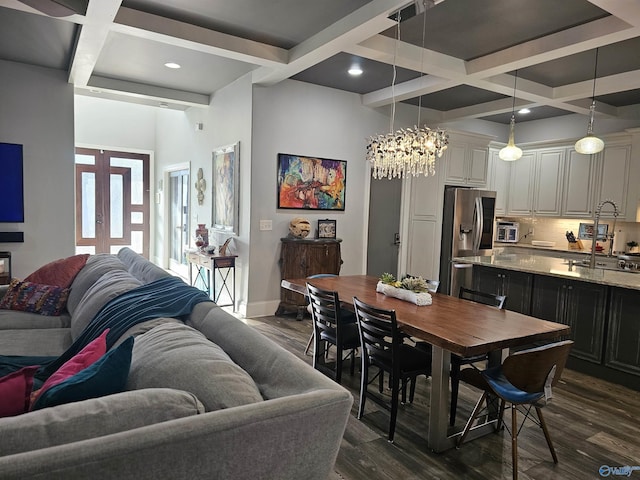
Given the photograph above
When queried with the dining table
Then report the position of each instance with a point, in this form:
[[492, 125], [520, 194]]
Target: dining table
[[450, 325]]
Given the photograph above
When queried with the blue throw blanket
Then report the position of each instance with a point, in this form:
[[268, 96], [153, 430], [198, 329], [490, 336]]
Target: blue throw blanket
[[167, 297]]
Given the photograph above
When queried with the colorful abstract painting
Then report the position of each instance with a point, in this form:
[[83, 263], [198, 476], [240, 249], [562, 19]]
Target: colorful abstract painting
[[311, 183]]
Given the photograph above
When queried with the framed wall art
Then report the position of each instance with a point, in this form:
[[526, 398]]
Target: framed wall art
[[311, 183], [226, 186], [326, 228]]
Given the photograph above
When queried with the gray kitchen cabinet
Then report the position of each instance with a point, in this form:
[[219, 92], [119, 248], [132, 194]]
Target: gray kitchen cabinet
[[536, 183], [516, 286], [466, 164], [623, 345], [499, 172], [580, 175], [521, 183], [581, 305], [614, 179]]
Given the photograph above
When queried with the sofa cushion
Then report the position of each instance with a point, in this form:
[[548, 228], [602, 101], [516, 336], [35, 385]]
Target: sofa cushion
[[144, 327], [96, 266], [94, 418], [32, 297], [105, 377], [45, 342], [12, 319], [60, 272], [107, 287], [180, 357], [15, 390], [89, 355], [140, 267]]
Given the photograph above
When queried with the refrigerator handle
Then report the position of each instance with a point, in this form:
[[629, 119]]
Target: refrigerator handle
[[477, 224]]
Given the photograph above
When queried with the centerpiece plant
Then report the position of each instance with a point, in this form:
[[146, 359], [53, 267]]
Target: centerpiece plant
[[408, 282]]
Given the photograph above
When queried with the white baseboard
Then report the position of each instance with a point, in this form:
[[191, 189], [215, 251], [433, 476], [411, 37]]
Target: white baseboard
[[261, 309]]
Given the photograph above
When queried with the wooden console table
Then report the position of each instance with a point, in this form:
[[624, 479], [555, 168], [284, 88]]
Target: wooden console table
[[206, 268]]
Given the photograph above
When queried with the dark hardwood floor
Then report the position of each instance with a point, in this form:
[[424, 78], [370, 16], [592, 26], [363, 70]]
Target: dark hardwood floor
[[592, 423]]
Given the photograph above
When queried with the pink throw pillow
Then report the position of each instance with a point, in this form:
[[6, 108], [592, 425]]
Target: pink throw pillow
[[15, 390], [60, 272], [91, 353]]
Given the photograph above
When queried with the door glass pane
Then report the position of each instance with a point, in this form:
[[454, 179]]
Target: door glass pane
[[135, 166], [88, 205], [91, 250], [85, 159], [137, 218], [117, 206], [137, 241]]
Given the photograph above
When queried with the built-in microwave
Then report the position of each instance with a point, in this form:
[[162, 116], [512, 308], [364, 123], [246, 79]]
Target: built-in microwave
[[507, 232]]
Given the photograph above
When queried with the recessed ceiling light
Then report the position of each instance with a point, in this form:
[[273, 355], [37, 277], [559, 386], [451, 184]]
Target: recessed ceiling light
[[524, 111], [355, 70], [171, 65], [163, 105]]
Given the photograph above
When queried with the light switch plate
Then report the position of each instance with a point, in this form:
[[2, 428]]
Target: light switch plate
[[266, 225]]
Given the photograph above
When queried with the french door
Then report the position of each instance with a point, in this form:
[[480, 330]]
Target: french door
[[112, 201]]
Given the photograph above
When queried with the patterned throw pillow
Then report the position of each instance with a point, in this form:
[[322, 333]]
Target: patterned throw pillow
[[35, 298], [60, 272]]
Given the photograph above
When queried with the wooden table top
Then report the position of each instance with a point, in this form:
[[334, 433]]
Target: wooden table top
[[460, 326]]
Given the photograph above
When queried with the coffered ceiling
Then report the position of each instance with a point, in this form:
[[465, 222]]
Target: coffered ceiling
[[472, 49]]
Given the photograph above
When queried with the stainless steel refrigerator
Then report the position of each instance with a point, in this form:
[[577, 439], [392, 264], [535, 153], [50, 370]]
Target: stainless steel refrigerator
[[467, 230]]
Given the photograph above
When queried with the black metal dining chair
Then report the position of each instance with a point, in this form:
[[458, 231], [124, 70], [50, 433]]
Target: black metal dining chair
[[456, 360], [382, 346], [525, 379], [329, 328]]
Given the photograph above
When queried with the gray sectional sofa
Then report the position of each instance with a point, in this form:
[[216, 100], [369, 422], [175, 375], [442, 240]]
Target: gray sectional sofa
[[207, 396]]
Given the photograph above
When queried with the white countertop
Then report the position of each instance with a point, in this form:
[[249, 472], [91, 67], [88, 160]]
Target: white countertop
[[557, 267]]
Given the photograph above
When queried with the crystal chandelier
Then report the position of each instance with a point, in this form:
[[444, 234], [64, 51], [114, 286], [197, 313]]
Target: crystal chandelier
[[408, 151]]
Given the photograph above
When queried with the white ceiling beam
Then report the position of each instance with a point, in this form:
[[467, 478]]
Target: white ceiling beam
[[627, 9], [383, 49], [93, 34], [173, 32], [368, 20], [551, 47], [140, 90]]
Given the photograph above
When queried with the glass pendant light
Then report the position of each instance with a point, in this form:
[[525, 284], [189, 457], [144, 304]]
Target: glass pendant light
[[511, 152], [591, 144]]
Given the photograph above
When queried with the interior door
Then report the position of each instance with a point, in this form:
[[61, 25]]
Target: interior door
[[179, 221], [112, 201], [384, 226]]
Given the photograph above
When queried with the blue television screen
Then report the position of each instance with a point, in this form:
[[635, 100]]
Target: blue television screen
[[11, 183]]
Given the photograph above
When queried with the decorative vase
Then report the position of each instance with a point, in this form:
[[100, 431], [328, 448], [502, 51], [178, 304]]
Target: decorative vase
[[202, 235]]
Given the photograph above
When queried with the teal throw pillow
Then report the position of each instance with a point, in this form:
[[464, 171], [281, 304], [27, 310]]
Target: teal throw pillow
[[105, 377]]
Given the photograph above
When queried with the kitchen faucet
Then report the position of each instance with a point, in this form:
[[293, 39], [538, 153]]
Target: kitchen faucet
[[592, 260]]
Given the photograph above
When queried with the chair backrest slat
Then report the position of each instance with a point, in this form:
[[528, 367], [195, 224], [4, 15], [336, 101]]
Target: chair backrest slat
[[482, 297], [325, 309]]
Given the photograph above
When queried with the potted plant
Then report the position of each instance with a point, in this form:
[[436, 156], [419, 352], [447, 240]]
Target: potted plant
[[633, 246]]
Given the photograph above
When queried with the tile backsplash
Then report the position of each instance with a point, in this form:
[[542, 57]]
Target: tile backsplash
[[554, 229]]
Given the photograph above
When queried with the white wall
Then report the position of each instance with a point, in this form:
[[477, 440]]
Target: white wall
[[37, 112], [299, 118]]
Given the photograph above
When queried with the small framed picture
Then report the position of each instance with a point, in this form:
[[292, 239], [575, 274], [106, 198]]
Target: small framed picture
[[326, 228]]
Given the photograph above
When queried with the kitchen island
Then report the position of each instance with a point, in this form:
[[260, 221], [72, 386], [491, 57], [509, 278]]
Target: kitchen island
[[601, 305]]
